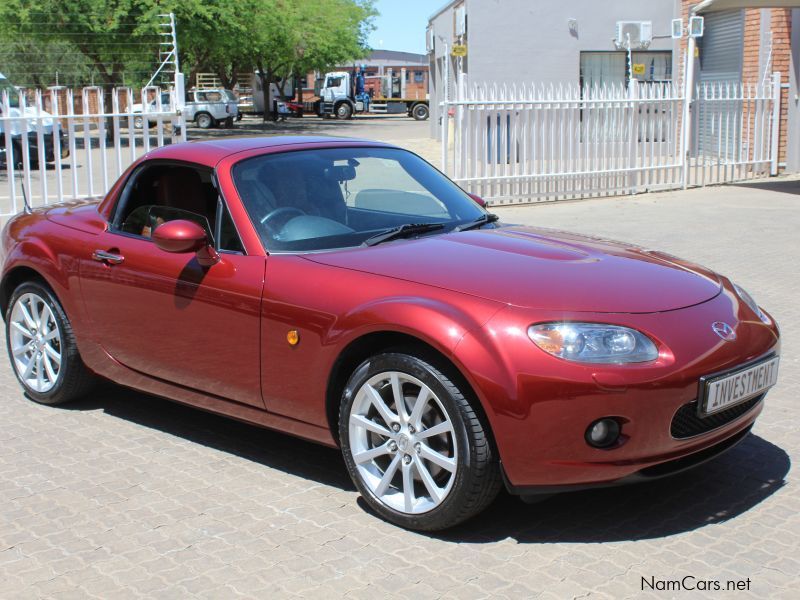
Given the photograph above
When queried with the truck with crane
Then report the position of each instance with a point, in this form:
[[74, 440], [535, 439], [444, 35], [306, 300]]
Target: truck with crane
[[343, 94]]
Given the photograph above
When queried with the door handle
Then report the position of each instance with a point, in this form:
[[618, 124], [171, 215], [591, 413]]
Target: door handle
[[107, 257]]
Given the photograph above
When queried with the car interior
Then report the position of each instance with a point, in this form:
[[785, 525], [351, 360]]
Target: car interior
[[315, 197], [167, 192]]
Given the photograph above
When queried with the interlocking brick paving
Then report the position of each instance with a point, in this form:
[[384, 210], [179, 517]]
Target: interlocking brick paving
[[123, 495]]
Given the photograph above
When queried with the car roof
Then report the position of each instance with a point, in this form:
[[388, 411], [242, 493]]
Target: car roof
[[211, 152]]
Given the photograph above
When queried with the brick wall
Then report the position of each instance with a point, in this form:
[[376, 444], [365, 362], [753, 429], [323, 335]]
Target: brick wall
[[780, 28]]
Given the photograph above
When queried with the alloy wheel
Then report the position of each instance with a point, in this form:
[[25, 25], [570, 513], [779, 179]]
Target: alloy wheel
[[403, 442], [36, 343]]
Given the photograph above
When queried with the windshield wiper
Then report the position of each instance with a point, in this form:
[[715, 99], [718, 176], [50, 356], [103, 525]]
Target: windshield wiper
[[406, 230], [479, 222]]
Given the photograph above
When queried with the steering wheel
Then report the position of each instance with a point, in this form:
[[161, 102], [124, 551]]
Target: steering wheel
[[273, 214]]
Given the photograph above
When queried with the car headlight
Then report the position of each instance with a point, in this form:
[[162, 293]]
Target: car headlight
[[593, 342], [748, 299]]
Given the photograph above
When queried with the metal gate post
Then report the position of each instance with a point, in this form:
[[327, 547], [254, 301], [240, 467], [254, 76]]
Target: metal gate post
[[688, 89], [445, 104], [776, 123]]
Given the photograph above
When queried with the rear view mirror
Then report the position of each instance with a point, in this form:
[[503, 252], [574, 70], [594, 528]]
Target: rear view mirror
[[340, 173], [183, 236], [180, 236]]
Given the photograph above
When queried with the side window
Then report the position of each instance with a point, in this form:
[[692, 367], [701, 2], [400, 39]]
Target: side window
[[166, 192], [228, 236]]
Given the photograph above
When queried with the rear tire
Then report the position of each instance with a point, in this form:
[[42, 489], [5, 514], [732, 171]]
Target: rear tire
[[420, 112], [426, 469], [41, 347]]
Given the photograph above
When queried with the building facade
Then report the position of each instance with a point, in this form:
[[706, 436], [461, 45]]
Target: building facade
[[745, 41], [520, 41], [572, 41]]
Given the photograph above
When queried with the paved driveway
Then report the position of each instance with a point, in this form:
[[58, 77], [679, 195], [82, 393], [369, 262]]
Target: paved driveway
[[125, 495]]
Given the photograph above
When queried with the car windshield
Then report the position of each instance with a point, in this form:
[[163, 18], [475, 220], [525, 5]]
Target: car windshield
[[311, 200]]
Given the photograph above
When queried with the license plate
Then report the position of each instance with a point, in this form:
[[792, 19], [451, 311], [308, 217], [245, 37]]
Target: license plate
[[718, 392]]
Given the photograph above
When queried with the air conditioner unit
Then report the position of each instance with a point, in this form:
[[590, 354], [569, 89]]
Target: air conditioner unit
[[461, 21], [638, 34]]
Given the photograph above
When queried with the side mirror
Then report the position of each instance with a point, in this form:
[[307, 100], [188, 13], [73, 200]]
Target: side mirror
[[181, 236], [478, 200]]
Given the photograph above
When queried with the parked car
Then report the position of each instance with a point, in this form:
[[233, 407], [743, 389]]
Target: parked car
[[210, 108], [138, 119], [348, 293], [230, 96], [27, 127]]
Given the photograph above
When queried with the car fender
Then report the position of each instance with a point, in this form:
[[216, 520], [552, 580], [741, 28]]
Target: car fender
[[58, 269], [435, 322]]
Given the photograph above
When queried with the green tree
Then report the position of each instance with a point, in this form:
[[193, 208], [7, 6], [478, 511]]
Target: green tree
[[286, 38], [116, 42]]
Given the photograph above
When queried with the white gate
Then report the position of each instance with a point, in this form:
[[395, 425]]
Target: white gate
[[734, 132], [63, 144], [534, 143]]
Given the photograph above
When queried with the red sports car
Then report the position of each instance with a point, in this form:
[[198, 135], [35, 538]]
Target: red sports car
[[348, 293]]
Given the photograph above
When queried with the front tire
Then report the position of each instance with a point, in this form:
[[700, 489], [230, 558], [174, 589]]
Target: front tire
[[204, 121], [344, 111], [414, 446], [42, 348]]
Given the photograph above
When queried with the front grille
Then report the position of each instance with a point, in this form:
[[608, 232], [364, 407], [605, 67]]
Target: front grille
[[686, 423]]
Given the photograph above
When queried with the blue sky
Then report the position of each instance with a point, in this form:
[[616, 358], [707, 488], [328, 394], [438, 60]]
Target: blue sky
[[401, 24]]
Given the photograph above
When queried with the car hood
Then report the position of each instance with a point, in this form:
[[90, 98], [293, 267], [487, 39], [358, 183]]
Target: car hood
[[538, 268]]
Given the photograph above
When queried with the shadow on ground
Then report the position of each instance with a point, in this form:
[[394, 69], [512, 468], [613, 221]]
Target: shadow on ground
[[712, 493], [784, 186]]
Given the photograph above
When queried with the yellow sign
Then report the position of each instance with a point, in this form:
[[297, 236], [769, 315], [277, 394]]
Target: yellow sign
[[637, 68], [459, 50]]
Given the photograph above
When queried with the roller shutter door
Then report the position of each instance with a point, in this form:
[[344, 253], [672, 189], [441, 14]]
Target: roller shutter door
[[721, 56]]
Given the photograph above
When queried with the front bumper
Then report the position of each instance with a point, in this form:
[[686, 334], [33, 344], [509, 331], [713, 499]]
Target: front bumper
[[652, 473], [539, 406]]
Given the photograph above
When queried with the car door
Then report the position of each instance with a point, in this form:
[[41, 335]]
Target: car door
[[166, 316]]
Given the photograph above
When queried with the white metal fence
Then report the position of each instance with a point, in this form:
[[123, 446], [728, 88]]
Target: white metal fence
[[531, 143], [62, 144], [734, 132]]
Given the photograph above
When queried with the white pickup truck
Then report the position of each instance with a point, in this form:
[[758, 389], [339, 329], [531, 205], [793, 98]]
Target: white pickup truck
[[209, 108], [206, 108]]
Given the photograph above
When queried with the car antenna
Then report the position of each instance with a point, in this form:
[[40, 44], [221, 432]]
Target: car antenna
[[28, 209]]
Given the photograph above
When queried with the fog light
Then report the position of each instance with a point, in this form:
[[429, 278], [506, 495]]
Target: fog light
[[602, 433]]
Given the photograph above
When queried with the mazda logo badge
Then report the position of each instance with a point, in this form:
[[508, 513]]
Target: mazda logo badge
[[724, 331]]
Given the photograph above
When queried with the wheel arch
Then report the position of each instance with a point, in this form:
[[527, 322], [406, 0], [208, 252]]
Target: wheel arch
[[347, 101], [376, 342], [14, 278]]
